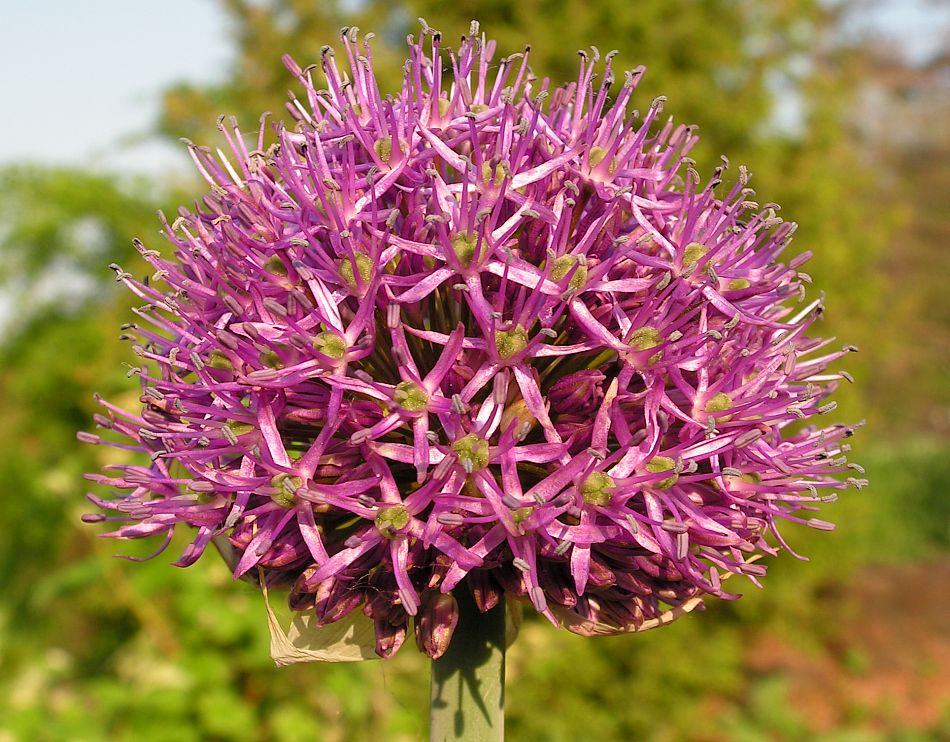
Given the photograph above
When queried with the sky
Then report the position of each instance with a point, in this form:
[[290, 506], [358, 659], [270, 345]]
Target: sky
[[80, 81]]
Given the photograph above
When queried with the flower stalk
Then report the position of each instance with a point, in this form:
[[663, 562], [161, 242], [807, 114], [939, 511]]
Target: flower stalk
[[468, 681]]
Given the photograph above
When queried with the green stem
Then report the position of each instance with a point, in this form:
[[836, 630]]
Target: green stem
[[468, 682]]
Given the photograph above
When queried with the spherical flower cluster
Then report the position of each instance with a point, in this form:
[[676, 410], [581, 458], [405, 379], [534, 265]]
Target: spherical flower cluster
[[481, 334]]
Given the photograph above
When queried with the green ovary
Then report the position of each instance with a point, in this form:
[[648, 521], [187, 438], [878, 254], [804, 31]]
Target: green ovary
[[661, 464], [473, 449], [597, 488], [410, 396]]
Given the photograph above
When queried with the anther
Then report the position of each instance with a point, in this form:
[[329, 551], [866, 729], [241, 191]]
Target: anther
[[510, 501], [274, 306], [747, 438]]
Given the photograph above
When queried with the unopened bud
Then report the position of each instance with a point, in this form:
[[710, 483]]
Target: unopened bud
[[435, 623]]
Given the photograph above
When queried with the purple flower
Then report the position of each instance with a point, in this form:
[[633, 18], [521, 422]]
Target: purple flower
[[483, 332]]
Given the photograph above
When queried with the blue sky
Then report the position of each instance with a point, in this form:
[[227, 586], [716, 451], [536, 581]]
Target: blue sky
[[76, 78]]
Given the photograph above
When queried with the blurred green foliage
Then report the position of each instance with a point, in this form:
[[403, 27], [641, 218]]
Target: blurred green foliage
[[93, 648]]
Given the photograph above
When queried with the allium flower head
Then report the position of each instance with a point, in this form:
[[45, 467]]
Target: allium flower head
[[483, 332]]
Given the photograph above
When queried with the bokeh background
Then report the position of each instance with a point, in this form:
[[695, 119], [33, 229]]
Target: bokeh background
[[841, 110]]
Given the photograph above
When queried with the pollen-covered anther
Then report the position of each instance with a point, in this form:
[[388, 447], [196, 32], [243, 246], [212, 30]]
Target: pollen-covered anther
[[410, 396], [598, 488]]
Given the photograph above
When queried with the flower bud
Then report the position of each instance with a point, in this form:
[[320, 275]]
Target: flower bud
[[435, 623], [579, 393], [389, 636]]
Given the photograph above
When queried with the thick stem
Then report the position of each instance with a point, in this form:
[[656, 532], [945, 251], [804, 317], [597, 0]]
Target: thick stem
[[468, 682]]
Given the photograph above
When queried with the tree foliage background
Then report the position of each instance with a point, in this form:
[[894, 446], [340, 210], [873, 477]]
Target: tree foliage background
[[93, 648]]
